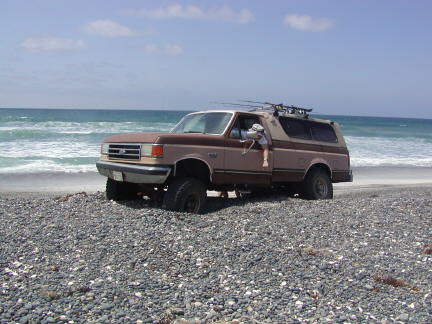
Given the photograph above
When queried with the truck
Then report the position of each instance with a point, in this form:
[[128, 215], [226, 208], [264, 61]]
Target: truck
[[206, 151]]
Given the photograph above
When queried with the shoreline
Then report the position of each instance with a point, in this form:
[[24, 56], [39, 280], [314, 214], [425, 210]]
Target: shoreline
[[54, 184]]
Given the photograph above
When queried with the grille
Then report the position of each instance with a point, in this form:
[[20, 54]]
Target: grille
[[124, 151]]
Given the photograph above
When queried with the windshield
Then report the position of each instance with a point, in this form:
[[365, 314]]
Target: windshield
[[205, 123]]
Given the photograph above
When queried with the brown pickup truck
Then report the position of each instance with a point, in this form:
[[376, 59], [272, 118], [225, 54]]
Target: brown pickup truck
[[205, 151]]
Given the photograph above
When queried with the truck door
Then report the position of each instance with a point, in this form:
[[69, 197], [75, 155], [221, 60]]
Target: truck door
[[243, 166]]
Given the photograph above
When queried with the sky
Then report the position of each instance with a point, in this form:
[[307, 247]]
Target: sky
[[345, 57]]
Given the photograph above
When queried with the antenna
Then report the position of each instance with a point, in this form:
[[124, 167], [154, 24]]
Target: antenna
[[237, 104]]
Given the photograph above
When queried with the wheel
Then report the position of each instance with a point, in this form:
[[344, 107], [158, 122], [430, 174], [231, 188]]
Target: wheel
[[317, 185], [185, 195], [117, 191]]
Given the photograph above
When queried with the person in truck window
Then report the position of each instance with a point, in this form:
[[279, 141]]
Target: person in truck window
[[244, 129], [249, 128], [257, 133]]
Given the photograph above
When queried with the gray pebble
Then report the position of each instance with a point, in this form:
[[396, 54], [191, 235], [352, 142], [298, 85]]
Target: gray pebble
[[403, 317], [106, 306]]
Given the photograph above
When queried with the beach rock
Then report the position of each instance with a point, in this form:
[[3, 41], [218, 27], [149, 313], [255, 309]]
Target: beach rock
[[85, 259]]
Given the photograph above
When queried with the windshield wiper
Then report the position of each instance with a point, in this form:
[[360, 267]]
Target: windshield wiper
[[193, 132]]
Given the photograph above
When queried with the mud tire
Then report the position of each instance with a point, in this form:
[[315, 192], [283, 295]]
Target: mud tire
[[317, 185], [119, 191], [185, 195]]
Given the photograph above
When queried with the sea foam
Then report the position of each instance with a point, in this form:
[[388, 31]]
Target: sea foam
[[43, 140]]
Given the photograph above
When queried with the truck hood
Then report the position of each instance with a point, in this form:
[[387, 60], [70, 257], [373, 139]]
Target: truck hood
[[133, 138], [167, 138]]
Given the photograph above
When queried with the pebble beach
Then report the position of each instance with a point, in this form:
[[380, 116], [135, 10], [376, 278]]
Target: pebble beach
[[364, 256]]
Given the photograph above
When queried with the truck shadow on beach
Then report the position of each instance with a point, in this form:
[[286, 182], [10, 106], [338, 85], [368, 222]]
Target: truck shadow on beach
[[213, 204]]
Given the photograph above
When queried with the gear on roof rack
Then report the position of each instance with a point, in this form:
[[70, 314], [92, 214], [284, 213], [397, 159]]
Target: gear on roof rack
[[277, 109], [281, 108]]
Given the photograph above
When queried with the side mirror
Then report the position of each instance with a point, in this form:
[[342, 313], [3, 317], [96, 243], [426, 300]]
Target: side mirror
[[235, 133]]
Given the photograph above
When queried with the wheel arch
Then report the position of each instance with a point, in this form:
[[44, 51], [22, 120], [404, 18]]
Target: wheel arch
[[193, 167], [319, 165]]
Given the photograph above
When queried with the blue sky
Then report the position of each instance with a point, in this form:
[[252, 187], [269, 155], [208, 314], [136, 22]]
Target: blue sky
[[346, 57]]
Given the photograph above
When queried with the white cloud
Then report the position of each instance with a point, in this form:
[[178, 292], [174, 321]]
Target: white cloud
[[170, 49], [46, 44], [173, 50], [224, 13], [307, 23], [109, 28]]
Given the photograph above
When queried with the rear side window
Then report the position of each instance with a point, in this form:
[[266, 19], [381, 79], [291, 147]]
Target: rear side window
[[305, 129], [323, 132], [295, 128]]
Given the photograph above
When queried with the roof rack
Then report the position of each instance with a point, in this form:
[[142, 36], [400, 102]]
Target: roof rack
[[280, 109], [277, 109]]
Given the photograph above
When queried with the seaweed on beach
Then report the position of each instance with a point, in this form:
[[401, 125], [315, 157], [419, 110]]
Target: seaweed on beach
[[394, 282], [427, 249], [69, 196], [316, 252]]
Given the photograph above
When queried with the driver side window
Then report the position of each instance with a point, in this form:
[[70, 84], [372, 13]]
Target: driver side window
[[235, 131], [243, 123]]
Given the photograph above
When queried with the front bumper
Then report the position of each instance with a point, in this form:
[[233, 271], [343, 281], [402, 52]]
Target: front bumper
[[134, 173]]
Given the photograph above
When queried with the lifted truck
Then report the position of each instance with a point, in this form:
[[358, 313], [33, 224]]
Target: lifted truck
[[205, 151]]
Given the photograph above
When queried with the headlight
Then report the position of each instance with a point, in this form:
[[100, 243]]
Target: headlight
[[152, 150], [104, 148], [146, 150]]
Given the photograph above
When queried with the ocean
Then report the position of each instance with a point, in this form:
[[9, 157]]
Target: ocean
[[68, 141]]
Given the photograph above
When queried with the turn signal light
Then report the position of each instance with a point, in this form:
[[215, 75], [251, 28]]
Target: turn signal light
[[157, 151]]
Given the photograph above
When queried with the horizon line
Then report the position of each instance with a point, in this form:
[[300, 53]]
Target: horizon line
[[198, 109]]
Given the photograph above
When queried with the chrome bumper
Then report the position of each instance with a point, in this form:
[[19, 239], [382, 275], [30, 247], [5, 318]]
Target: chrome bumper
[[134, 173]]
